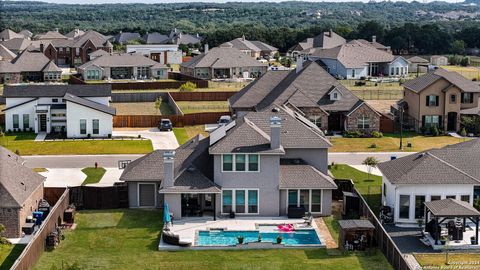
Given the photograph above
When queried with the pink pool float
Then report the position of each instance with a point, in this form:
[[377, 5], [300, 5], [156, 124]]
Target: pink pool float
[[285, 228]]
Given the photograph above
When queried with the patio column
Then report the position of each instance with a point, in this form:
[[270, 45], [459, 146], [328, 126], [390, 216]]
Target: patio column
[[476, 231], [436, 231], [426, 217], [214, 197], [464, 224]]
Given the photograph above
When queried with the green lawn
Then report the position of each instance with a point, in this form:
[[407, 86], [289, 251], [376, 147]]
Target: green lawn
[[184, 134], [369, 187], [181, 135], [127, 239], [333, 226], [203, 106], [457, 261], [8, 255], [93, 175], [24, 144], [391, 142]]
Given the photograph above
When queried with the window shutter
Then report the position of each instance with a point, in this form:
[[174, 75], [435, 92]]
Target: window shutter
[[437, 100], [426, 103], [440, 121], [423, 120]]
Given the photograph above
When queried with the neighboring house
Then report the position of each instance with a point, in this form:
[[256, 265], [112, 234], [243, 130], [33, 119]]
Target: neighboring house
[[223, 63], [375, 44], [6, 54], [260, 164], [439, 60], [26, 33], [50, 35], [162, 53], [125, 37], [155, 38], [122, 66], [438, 99], [179, 38], [451, 172], [75, 33], [418, 64], [76, 51], [78, 111], [254, 48], [356, 59], [325, 40], [312, 92], [21, 189], [17, 45], [8, 34], [30, 67]]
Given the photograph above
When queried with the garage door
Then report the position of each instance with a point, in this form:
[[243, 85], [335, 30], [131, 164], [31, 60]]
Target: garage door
[[146, 193]]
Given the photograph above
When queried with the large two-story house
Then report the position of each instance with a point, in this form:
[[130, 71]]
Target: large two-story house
[[263, 163], [314, 93], [77, 111], [439, 98]]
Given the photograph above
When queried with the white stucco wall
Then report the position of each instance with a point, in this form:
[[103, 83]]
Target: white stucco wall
[[76, 112], [28, 108], [398, 63]]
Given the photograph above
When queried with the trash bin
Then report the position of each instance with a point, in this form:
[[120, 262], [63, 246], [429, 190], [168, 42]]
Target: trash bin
[[393, 157], [38, 216]]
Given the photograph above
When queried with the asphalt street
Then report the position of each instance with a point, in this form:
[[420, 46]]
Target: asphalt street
[[111, 161]]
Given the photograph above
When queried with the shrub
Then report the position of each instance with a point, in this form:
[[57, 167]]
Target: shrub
[[376, 134], [353, 134], [17, 152], [434, 131], [464, 62], [463, 132], [423, 130], [373, 145], [359, 83], [188, 87], [3, 241]]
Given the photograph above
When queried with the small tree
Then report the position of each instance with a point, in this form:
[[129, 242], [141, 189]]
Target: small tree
[[370, 162], [188, 87], [158, 103], [3, 241], [463, 132]]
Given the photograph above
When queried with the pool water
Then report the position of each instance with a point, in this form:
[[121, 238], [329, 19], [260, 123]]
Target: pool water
[[229, 238]]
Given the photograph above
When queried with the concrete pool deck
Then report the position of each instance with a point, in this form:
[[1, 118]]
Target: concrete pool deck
[[187, 229]]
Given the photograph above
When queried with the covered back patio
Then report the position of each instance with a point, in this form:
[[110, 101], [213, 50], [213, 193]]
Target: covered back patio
[[456, 218]]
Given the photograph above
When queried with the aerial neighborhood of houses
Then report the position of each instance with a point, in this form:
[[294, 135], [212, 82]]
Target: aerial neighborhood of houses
[[232, 147]]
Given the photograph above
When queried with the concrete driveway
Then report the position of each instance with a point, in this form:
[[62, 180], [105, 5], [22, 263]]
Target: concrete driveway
[[160, 139], [63, 177]]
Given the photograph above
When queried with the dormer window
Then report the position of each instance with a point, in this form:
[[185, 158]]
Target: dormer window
[[335, 95]]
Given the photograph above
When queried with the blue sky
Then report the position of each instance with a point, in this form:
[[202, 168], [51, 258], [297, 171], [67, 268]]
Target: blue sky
[[173, 1]]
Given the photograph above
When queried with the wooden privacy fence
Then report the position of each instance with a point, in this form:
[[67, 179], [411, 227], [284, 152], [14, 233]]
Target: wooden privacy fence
[[387, 124], [88, 197], [155, 85], [382, 239], [177, 96], [36, 247], [189, 119]]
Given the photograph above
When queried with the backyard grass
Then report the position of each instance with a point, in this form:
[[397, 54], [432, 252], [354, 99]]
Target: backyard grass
[[212, 87], [391, 143], [128, 239], [184, 134], [24, 144], [467, 72], [39, 170], [369, 186], [8, 255], [142, 108], [93, 175], [456, 261], [203, 106], [333, 226]]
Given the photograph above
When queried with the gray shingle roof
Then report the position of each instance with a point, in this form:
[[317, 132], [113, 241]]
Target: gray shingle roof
[[26, 33], [33, 62], [121, 60], [90, 104], [126, 37], [6, 54], [17, 182], [7, 34], [222, 58], [155, 38], [355, 224], [253, 45], [325, 40], [75, 33], [41, 90], [7, 67], [192, 180], [420, 83], [456, 164], [451, 208], [16, 44], [301, 175], [280, 87], [418, 59], [50, 35], [96, 38], [51, 67]]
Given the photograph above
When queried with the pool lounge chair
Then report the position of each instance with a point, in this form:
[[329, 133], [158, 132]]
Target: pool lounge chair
[[173, 239]]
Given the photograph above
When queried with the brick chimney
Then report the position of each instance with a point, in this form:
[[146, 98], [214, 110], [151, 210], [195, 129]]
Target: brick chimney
[[168, 168], [275, 130]]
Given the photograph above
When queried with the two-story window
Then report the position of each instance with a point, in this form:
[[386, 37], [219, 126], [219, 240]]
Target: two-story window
[[467, 97], [240, 201], [432, 101], [363, 122], [240, 163]]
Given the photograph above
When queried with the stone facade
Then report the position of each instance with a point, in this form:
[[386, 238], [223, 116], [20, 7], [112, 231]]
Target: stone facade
[[317, 116], [15, 218], [364, 110]]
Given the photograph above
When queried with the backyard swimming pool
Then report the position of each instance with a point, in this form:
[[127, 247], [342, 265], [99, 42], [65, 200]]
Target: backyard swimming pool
[[229, 238]]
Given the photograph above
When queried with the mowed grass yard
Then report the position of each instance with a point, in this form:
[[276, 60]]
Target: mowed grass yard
[[391, 143], [142, 108], [25, 145], [184, 134], [455, 261], [8, 255], [128, 238], [203, 106]]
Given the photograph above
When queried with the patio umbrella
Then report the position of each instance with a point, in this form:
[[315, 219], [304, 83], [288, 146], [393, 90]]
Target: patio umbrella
[[166, 213]]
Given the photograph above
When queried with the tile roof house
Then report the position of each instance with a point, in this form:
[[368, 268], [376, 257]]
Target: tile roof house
[[125, 37], [263, 163], [431, 175], [122, 66], [255, 48], [21, 189], [439, 98], [223, 63], [325, 40], [8, 34], [30, 66], [75, 111], [360, 59], [310, 90]]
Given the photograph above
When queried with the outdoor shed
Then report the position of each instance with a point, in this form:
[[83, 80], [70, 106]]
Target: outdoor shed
[[356, 234]]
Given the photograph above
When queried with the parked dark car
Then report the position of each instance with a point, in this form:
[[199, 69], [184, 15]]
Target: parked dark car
[[165, 125]]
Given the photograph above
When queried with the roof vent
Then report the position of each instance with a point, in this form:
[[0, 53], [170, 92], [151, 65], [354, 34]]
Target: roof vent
[[275, 109]]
